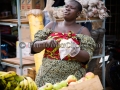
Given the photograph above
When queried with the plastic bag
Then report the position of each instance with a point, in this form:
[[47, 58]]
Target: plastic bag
[[68, 47]]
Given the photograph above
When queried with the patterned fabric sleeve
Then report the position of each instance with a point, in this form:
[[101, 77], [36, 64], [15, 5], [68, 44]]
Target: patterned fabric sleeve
[[39, 36], [42, 34], [87, 44]]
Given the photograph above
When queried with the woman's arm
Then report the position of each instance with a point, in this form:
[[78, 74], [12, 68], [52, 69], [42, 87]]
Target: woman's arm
[[38, 45], [82, 56], [87, 46], [85, 31], [50, 25]]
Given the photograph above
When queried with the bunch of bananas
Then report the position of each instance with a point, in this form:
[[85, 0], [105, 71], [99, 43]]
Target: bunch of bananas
[[11, 81]]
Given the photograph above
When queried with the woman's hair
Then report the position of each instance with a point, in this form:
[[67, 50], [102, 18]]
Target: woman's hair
[[78, 5]]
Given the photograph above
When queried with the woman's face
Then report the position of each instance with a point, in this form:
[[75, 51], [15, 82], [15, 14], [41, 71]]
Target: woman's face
[[71, 11]]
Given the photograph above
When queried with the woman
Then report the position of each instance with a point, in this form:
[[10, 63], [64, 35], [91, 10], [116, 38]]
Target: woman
[[53, 69]]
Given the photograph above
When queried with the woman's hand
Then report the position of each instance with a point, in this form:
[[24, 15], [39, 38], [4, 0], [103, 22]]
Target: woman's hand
[[38, 46], [51, 43]]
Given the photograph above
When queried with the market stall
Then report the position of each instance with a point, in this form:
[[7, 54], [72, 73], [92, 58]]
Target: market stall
[[22, 61]]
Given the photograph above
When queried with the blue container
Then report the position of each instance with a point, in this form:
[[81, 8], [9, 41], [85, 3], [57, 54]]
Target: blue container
[[46, 18], [4, 51]]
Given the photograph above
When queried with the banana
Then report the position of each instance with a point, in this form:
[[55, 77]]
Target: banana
[[18, 78], [34, 86], [22, 84], [27, 88], [18, 88], [14, 84], [1, 72], [10, 79], [2, 84], [8, 86], [29, 83], [7, 75], [3, 81], [12, 88], [25, 84]]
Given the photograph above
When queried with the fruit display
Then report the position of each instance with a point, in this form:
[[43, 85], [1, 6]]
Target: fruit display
[[71, 80], [11, 81], [56, 86], [87, 76]]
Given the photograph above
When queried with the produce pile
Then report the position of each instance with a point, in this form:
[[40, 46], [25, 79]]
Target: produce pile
[[91, 9], [71, 80], [11, 81]]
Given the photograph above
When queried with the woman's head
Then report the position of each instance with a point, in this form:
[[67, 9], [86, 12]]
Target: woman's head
[[72, 9]]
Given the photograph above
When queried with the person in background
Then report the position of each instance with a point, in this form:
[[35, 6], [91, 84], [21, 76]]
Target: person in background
[[53, 69]]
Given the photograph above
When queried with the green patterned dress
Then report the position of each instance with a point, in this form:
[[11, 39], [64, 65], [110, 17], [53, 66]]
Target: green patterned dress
[[53, 70]]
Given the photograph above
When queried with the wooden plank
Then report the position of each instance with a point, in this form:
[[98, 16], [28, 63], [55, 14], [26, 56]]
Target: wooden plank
[[29, 58], [25, 21], [16, 61], [7, 20], [93, 84]]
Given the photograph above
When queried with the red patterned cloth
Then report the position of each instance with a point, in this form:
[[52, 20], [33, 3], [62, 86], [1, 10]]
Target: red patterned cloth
[[53, 53]]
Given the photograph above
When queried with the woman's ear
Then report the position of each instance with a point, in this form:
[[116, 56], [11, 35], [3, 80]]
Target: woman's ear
[[78, 14]]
